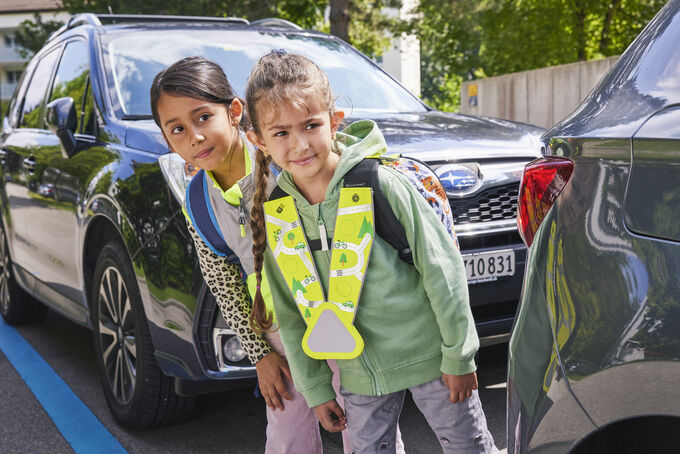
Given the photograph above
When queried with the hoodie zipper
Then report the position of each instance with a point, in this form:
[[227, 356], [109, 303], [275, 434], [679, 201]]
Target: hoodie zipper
[[322, 231], [242, 218], [378, 389], [375, 379]]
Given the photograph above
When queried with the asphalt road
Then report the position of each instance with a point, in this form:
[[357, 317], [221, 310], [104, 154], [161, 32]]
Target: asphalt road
[[229, 422]]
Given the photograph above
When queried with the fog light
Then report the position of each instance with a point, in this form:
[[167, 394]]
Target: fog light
[[233, 351]]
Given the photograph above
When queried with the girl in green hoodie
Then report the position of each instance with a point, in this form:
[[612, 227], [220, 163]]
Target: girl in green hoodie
[[414, 320]]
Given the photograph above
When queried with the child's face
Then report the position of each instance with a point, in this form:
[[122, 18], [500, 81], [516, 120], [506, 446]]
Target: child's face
[[299, 141], [202, 133]]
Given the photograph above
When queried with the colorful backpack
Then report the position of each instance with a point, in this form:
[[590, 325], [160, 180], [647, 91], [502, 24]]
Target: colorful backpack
[[387, 226]]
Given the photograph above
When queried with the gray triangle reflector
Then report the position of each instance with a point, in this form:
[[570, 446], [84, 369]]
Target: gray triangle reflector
[[330, 335]]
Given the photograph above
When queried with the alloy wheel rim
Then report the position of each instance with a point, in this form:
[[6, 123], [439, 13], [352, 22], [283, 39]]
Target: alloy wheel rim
[[117, 336], [4, 274]]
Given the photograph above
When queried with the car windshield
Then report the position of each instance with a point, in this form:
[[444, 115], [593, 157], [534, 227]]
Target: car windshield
[[134, 58]]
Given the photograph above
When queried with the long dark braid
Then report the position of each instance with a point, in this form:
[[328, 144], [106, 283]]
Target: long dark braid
[[260, 318], [277, 79]]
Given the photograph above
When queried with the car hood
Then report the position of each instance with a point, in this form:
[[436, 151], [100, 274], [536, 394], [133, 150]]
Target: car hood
[[438, 136], [429, 136]]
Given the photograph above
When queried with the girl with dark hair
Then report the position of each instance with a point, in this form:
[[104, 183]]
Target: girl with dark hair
[[201, 120], [342, 292]]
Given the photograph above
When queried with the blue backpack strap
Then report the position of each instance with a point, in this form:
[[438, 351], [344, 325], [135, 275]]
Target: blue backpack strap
[[202, 217]]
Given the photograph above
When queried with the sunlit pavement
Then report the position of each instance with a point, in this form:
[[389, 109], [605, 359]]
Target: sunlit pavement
[[231, 422]]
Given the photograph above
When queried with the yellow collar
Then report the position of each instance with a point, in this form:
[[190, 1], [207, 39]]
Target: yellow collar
[[233, 195]]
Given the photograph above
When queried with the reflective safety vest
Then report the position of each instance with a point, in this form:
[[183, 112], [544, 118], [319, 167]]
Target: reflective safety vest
[[330, 331]]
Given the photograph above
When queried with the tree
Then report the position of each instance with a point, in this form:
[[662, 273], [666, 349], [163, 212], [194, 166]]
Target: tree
[[365, 30], [465, 39], [32, 34], [366, 228], [339, 18], [297, 285]]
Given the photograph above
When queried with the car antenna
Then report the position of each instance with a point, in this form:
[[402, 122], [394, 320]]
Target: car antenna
[[111, 13]]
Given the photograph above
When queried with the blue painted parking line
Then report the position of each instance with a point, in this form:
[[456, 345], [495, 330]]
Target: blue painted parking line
[[76, 422]]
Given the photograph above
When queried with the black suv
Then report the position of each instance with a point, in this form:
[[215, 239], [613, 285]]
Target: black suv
[[91, 199]]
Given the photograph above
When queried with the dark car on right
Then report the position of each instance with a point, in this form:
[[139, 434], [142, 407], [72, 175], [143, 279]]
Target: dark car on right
[[594, 360]]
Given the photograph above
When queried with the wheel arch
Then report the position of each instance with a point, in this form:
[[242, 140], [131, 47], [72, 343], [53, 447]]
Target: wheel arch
[[649, 433], [103, 227]]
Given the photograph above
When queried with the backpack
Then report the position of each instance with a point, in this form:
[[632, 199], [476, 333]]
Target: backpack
[[200, 212], [387, 226]]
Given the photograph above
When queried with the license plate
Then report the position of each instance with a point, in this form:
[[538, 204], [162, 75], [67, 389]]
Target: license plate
[[488, 266]]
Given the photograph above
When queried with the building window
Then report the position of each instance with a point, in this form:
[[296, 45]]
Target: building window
[[9, 40], [13, 76]]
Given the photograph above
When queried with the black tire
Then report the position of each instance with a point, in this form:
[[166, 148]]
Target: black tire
[[139, 395], [16, 306]]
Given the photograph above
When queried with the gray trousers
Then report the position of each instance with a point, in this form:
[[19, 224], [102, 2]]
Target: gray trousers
[[460, 427]]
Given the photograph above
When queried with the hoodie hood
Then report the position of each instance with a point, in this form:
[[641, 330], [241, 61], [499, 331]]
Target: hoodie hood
[[356, 142]]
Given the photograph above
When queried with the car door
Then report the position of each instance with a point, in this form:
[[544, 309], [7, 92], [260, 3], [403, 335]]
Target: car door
[[652, 211], [21, 145], [653, 194], [56, 187], [64, 176]]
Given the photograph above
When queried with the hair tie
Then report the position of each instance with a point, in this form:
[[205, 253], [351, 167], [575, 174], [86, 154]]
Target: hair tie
[[279, 52], [257, 287]]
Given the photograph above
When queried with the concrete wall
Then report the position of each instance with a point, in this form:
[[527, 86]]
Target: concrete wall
[[541, 96]]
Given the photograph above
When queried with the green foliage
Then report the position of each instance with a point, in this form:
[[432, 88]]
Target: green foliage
[[370, 28], [367, 26], [466, 39], [32, 34], [4, 105]]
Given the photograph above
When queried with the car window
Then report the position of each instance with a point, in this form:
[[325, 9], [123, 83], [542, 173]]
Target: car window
[[87, 118], [15, 103], [658, 73], [72, 80], [134, 59], [35, 94]]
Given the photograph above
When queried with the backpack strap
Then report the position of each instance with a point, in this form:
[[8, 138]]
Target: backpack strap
[[314, 245], [202, 217], [387, 226]]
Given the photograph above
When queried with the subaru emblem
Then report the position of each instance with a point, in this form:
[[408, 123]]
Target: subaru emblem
[[457, 178]]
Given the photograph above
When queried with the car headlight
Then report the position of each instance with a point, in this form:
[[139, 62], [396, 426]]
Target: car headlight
[[233, 351], [177, 173]]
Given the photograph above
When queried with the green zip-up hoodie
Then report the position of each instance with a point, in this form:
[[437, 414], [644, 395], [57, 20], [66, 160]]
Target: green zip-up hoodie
[[415, 320]]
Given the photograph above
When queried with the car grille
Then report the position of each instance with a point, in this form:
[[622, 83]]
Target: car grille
[[493, 204]]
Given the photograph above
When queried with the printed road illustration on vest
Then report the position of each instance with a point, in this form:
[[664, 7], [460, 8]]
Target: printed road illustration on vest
[[330, 331]]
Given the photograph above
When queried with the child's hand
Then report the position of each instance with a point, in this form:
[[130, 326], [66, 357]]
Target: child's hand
[[324, 414], [460, 386], [270, 372]]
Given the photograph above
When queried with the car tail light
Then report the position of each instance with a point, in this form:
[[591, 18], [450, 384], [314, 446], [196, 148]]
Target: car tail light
[[542, 181]]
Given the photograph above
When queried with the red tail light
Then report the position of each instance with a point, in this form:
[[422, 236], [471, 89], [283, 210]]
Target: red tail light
[[542, 181]]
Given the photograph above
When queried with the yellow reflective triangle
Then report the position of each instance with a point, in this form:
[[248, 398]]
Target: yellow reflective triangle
[[330, 331]]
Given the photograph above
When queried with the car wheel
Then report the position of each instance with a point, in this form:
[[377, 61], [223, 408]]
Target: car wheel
[[16, 306], [137, 392]]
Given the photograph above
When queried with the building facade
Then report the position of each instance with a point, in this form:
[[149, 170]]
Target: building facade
[[13, 13]]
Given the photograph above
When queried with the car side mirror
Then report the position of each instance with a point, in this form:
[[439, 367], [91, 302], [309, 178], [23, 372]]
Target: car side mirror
[[61, 119]]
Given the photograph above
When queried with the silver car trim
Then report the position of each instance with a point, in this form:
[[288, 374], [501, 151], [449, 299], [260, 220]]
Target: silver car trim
[[485, 228]]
